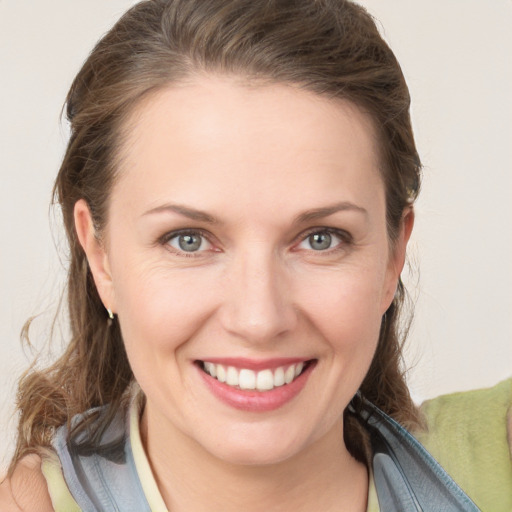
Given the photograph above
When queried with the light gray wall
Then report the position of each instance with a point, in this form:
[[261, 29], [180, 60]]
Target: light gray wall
[[456, 55]]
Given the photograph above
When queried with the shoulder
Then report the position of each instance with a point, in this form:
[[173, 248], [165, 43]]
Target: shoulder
[[470, 434], [26, 490]]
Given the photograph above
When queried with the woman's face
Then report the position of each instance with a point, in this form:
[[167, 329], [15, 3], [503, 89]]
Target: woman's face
[[247, 242]]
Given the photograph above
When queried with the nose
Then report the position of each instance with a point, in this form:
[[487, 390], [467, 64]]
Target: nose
[[257, 306]]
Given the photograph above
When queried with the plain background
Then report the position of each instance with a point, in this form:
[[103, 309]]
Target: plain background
[[456, 55]]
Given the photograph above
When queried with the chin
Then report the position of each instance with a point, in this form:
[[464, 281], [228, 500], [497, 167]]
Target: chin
[[248, 447], [255, 455]]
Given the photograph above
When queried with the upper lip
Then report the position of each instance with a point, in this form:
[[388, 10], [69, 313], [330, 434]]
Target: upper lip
[[256, 364]]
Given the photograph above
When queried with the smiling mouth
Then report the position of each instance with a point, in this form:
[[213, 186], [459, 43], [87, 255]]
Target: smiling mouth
[[251, 380]]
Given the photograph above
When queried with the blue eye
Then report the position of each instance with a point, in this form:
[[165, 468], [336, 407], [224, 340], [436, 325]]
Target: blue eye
[[190, 241], [321, 241]]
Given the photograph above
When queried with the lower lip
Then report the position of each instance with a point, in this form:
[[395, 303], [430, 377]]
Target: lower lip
[[257, 401]]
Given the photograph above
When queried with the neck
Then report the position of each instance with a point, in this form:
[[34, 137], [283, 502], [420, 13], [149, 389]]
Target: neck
[[323, 477]]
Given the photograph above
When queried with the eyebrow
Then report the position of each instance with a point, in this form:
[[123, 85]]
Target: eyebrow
[[191, 213], [320, 213], [307, 216]]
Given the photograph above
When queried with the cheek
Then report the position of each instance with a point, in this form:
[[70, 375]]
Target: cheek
[[345, 313], [346, 310], [159, 310], [344, 299]]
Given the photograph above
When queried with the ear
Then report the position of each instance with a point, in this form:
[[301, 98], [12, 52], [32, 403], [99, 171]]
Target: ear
[[95, 252], [397, 257]]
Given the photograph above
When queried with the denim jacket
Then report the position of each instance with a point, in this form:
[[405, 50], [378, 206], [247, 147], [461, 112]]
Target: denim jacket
[[407, 478]]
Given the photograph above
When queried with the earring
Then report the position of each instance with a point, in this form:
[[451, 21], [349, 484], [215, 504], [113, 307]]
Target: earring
[[110, 314]]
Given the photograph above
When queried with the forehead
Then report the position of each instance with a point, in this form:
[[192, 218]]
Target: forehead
[[215, 137]]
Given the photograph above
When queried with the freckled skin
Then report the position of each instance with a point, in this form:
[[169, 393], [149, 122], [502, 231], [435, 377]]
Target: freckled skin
[[254, 159]]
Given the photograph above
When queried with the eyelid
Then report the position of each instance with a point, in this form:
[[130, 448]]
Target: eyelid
[[165, 239], [343, 235]]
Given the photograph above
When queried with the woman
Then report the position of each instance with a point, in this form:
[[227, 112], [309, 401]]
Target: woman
[[238, 195]]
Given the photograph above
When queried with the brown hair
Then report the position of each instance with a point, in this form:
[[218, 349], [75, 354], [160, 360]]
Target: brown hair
[[329, 47]]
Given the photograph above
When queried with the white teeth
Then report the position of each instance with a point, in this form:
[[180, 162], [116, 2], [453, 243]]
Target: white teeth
[[232, 376], [279, 377], [221, 373], [211, 369], [247, 379], [263, 380], [289, 374]]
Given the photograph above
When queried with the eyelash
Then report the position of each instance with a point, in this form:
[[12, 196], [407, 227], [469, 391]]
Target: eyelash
[[164, 240], [344, 236]]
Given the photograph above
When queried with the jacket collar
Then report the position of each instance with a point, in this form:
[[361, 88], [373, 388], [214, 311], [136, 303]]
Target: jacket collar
[[407, 477]]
